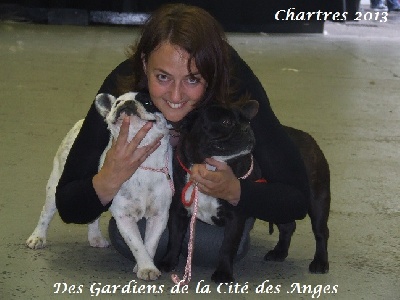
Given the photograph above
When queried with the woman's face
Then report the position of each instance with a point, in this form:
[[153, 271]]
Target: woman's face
[[173, 90]]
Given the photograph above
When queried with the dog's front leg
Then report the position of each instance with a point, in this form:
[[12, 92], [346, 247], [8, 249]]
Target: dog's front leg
[[129, 230], [234, 228], [154, 228], [178, 223]]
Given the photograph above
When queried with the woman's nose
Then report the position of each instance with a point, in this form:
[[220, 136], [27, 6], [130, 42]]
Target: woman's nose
[[176, 92]]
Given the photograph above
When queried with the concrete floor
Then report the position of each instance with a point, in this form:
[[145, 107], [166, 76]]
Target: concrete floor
[[342, 87]]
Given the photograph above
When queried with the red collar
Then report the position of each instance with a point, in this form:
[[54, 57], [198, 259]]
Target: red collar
[[189, 183]]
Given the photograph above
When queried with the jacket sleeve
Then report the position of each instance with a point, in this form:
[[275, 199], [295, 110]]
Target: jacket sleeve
[[76, 199], [285, 196]]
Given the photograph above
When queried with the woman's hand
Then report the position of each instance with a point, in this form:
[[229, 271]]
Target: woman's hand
[[221, 183], [121, 161]]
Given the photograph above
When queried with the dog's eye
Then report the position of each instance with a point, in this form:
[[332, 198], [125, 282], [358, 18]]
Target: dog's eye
[[218, 146], [227, 123], [117, 102]]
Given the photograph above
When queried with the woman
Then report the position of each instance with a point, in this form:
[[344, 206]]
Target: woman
[[183, 61]]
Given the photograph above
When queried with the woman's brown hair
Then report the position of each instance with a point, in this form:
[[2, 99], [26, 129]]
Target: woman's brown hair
[[198, 33]]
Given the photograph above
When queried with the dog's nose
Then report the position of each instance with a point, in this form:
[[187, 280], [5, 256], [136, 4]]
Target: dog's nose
[[129, 108]]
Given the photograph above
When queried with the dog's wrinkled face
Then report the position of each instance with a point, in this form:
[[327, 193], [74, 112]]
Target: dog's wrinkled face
[[114, 110], [221, 132]]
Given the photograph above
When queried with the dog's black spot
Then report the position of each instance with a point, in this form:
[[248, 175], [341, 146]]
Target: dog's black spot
[[145, 100], [128, 107]]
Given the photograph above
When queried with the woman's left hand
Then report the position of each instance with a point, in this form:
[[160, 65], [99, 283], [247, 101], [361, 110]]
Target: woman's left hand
[[221, 183]]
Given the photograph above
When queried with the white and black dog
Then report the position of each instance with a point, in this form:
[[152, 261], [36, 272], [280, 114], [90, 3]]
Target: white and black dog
[[147, 194]]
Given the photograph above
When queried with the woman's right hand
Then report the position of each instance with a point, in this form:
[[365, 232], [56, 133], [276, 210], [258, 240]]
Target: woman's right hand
[[121, 161]]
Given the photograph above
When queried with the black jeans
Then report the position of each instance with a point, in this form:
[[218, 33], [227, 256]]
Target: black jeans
[[208, 240]]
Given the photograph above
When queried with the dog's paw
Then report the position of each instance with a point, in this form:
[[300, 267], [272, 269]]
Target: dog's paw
[[222, 277], [99, 242], [36, 242], [166, 266], [148, 273], [318, 267], [275, 255]]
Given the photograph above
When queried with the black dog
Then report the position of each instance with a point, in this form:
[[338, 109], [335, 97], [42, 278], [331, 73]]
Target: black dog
[[224, 134], [215, 132], [319, 178]]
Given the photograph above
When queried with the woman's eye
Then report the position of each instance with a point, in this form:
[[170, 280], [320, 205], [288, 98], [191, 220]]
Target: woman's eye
[[193, 80], [162, 77]]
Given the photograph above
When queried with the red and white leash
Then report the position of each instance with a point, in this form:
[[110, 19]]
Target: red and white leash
[[192, 228], [194, 200]]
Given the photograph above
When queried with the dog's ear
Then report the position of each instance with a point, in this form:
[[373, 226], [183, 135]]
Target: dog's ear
[[104, 103], [250, 109]]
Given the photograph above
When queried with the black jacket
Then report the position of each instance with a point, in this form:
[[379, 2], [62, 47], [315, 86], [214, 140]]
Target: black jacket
[[284, 198]]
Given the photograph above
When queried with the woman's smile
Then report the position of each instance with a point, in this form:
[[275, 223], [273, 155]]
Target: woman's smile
[[175, 105]]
